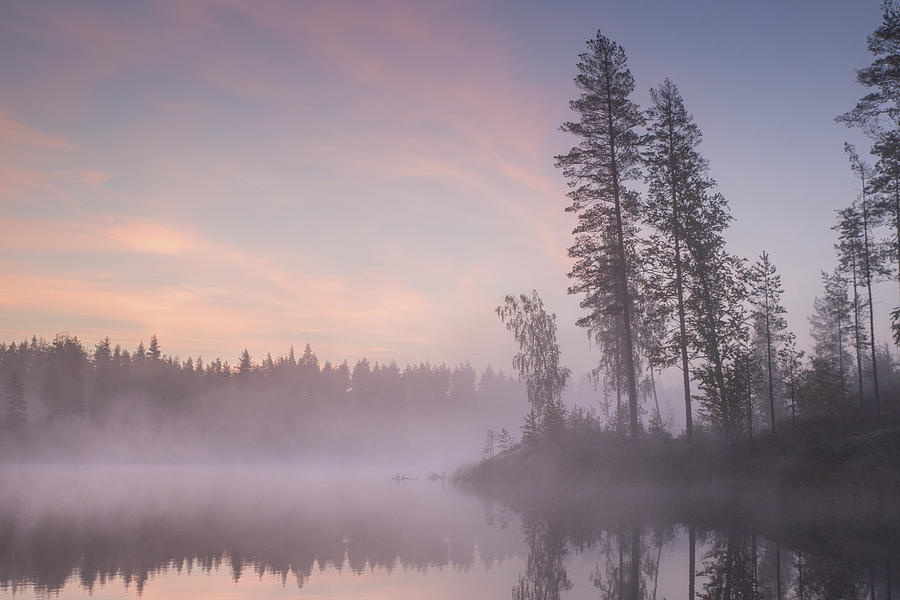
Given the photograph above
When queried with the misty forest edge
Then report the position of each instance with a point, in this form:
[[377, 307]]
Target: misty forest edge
[[660, 289]]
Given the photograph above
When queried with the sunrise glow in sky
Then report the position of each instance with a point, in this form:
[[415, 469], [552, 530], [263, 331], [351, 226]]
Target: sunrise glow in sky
[[373, 177]]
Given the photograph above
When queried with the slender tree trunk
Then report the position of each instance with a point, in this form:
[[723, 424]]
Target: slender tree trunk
[[749, 399], [679, 284], [793, 399], [620, 419], [897, 224], [800, 589], [769, 362], [859, 375], [624, 294], [868, 275], [685, 367], [655, 396], [840, 332]]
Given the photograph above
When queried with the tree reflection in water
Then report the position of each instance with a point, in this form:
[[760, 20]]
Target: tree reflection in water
[[725, 562], [587, 547]]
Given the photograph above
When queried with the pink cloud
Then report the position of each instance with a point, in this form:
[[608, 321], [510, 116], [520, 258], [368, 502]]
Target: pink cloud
[[14, 134]]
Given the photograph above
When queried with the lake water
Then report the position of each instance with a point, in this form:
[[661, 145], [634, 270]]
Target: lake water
[[159, 532]]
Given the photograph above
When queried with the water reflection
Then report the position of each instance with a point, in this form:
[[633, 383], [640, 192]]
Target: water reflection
[[82, 530], [721, 561]]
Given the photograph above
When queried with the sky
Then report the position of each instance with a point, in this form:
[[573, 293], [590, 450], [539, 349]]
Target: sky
[[372, 177]]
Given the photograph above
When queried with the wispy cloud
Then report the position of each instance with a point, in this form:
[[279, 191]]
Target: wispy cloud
[[14, 135], [404, 116]]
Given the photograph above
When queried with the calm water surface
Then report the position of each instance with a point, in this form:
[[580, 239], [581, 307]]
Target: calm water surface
[[156, 532]]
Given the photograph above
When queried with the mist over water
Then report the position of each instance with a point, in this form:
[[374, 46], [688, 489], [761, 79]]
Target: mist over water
[[154, 532]]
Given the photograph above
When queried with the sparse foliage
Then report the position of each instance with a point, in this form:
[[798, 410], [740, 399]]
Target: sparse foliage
[[537, 361]]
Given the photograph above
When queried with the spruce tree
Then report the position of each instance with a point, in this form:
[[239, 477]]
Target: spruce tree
[[598, 169], [153, 352]]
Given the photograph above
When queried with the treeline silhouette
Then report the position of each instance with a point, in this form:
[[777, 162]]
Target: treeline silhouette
[[109, 401]]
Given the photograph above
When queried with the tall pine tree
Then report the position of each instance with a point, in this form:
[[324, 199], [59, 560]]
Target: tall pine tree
[[675, 171], [606, 158]]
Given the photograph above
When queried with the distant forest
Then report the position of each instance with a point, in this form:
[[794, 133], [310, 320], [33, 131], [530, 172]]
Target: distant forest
[[107, 402]]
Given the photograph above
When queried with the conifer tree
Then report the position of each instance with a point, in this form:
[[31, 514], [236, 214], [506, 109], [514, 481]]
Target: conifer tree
[[489, 443], [886, 188], [598, 169], [878, 112], [768, 320], [153, 352], [790, 363], [16, 410], [530, 428], [829, 325], [505, 440], [246, 364], [849, 249], [675, 170]]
